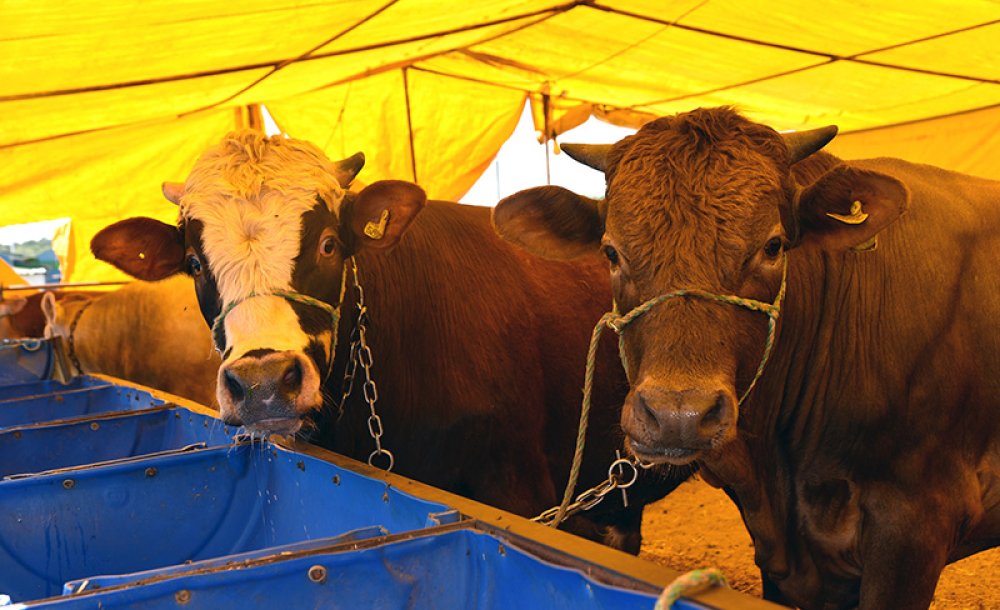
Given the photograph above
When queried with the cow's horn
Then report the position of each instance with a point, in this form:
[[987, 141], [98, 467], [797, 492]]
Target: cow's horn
[[593, 155], [349, 168], [801, 144], [173, 191]]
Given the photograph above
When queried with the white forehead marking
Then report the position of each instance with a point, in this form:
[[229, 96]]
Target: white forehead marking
[[250, 193]]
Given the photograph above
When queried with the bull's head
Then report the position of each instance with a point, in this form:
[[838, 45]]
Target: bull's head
[[703, 201], [265, 227]]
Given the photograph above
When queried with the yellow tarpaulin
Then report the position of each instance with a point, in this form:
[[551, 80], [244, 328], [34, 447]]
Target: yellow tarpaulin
[[101, 102]]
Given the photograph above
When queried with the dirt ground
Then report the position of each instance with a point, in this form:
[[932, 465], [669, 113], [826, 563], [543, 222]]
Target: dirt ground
[[697, 526]]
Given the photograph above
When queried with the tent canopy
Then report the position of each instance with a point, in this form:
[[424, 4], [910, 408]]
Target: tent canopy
[[101, 102]]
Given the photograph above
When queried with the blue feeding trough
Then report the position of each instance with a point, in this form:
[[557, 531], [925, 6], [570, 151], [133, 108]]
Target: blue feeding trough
[[148, 513], [36, 387], [36, 448], [458, 567], [71, 403], [26, 360]]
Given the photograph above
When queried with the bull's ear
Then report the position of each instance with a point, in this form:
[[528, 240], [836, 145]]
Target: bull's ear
[[846, 208], [551, 222], [144, 248], [379, 215]]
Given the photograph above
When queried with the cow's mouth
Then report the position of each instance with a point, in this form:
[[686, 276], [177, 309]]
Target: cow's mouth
[[659, 455], [285, 426]]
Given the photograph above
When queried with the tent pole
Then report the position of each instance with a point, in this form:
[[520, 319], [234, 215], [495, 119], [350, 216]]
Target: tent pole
[[409, 124]]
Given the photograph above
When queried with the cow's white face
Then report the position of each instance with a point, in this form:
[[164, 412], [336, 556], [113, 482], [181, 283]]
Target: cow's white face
[[245, 208], [265, 227]]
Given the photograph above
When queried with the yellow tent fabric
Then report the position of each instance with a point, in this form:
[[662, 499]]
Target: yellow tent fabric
[[100, 102], [9, 277]]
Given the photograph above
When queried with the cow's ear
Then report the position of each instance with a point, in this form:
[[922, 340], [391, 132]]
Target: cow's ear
[[846, 208], [551, 222], [378, 216], [144, 248]]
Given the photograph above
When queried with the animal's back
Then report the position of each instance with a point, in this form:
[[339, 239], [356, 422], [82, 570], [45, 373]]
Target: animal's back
[[151, 333]]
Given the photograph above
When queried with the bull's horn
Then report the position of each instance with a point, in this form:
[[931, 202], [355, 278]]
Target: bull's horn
[[173, 191], [592, 155], [349, 168], [801, 144]]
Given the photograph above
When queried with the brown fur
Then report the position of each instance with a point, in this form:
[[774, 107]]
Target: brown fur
[[26, 319], [479, 357], [868, 455], [149, 333]]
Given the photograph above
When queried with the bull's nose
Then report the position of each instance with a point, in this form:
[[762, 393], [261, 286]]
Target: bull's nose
[[263, 385], [235, 385], [676, 423]]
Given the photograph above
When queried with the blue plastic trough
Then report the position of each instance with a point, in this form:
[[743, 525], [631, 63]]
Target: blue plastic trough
[[113, 497], [110, 436], [458, 568]]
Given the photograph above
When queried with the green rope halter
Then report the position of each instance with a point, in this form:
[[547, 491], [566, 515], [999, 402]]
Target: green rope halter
[[288, 295], [618, 323]]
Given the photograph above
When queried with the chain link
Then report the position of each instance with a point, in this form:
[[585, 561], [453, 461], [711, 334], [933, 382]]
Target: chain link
[[622, 474], [361, 353]]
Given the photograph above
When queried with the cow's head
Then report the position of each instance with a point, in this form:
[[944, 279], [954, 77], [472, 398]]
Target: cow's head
[[265, 227], [703, 201]]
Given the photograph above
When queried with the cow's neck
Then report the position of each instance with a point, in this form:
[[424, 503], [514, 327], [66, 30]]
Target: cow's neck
[[787, 426]]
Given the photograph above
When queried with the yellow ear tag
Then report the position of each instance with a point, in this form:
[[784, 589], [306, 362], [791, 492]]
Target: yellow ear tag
[[856, 216], [375, 230]]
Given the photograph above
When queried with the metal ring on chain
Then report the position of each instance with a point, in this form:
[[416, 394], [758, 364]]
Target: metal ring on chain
[[621, 463], [380, 451]]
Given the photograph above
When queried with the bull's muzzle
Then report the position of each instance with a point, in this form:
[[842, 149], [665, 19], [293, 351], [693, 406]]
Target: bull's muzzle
[[268, 392], [668, 425]]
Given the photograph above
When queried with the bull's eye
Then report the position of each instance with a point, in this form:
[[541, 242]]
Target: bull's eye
[[193, 265], [773, 247], [611, 253], [328, 246]]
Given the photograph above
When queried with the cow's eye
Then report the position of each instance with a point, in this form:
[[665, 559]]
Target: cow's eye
[[773, 247], [611, 253], [193, 265], [328, 246]]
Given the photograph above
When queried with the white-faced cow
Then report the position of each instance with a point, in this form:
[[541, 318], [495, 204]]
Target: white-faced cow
[[478, 347], [866, 455]]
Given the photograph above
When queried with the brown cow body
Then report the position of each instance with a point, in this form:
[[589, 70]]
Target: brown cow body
[[149, 333], [22, 316], [868, 455], [478, 349], [478, 359]]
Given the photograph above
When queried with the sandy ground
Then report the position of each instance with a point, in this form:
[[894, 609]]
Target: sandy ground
[[697, 526]]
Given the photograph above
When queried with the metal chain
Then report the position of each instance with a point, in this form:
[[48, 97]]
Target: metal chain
[[622, 474], [28, 344], [361, 353]]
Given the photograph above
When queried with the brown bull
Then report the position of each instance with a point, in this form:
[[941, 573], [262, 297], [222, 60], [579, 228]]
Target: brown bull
[[478, 348], [22, 316], [867, 455]]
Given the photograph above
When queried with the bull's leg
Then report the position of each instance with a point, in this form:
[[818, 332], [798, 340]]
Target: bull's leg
[[771, 591], [901, 565]]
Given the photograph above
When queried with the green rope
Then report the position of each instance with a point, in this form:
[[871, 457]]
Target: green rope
[[298, 297], [689, 583], [618, 323]]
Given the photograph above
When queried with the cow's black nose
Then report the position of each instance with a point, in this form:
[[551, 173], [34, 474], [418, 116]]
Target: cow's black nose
[[235, 386]]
